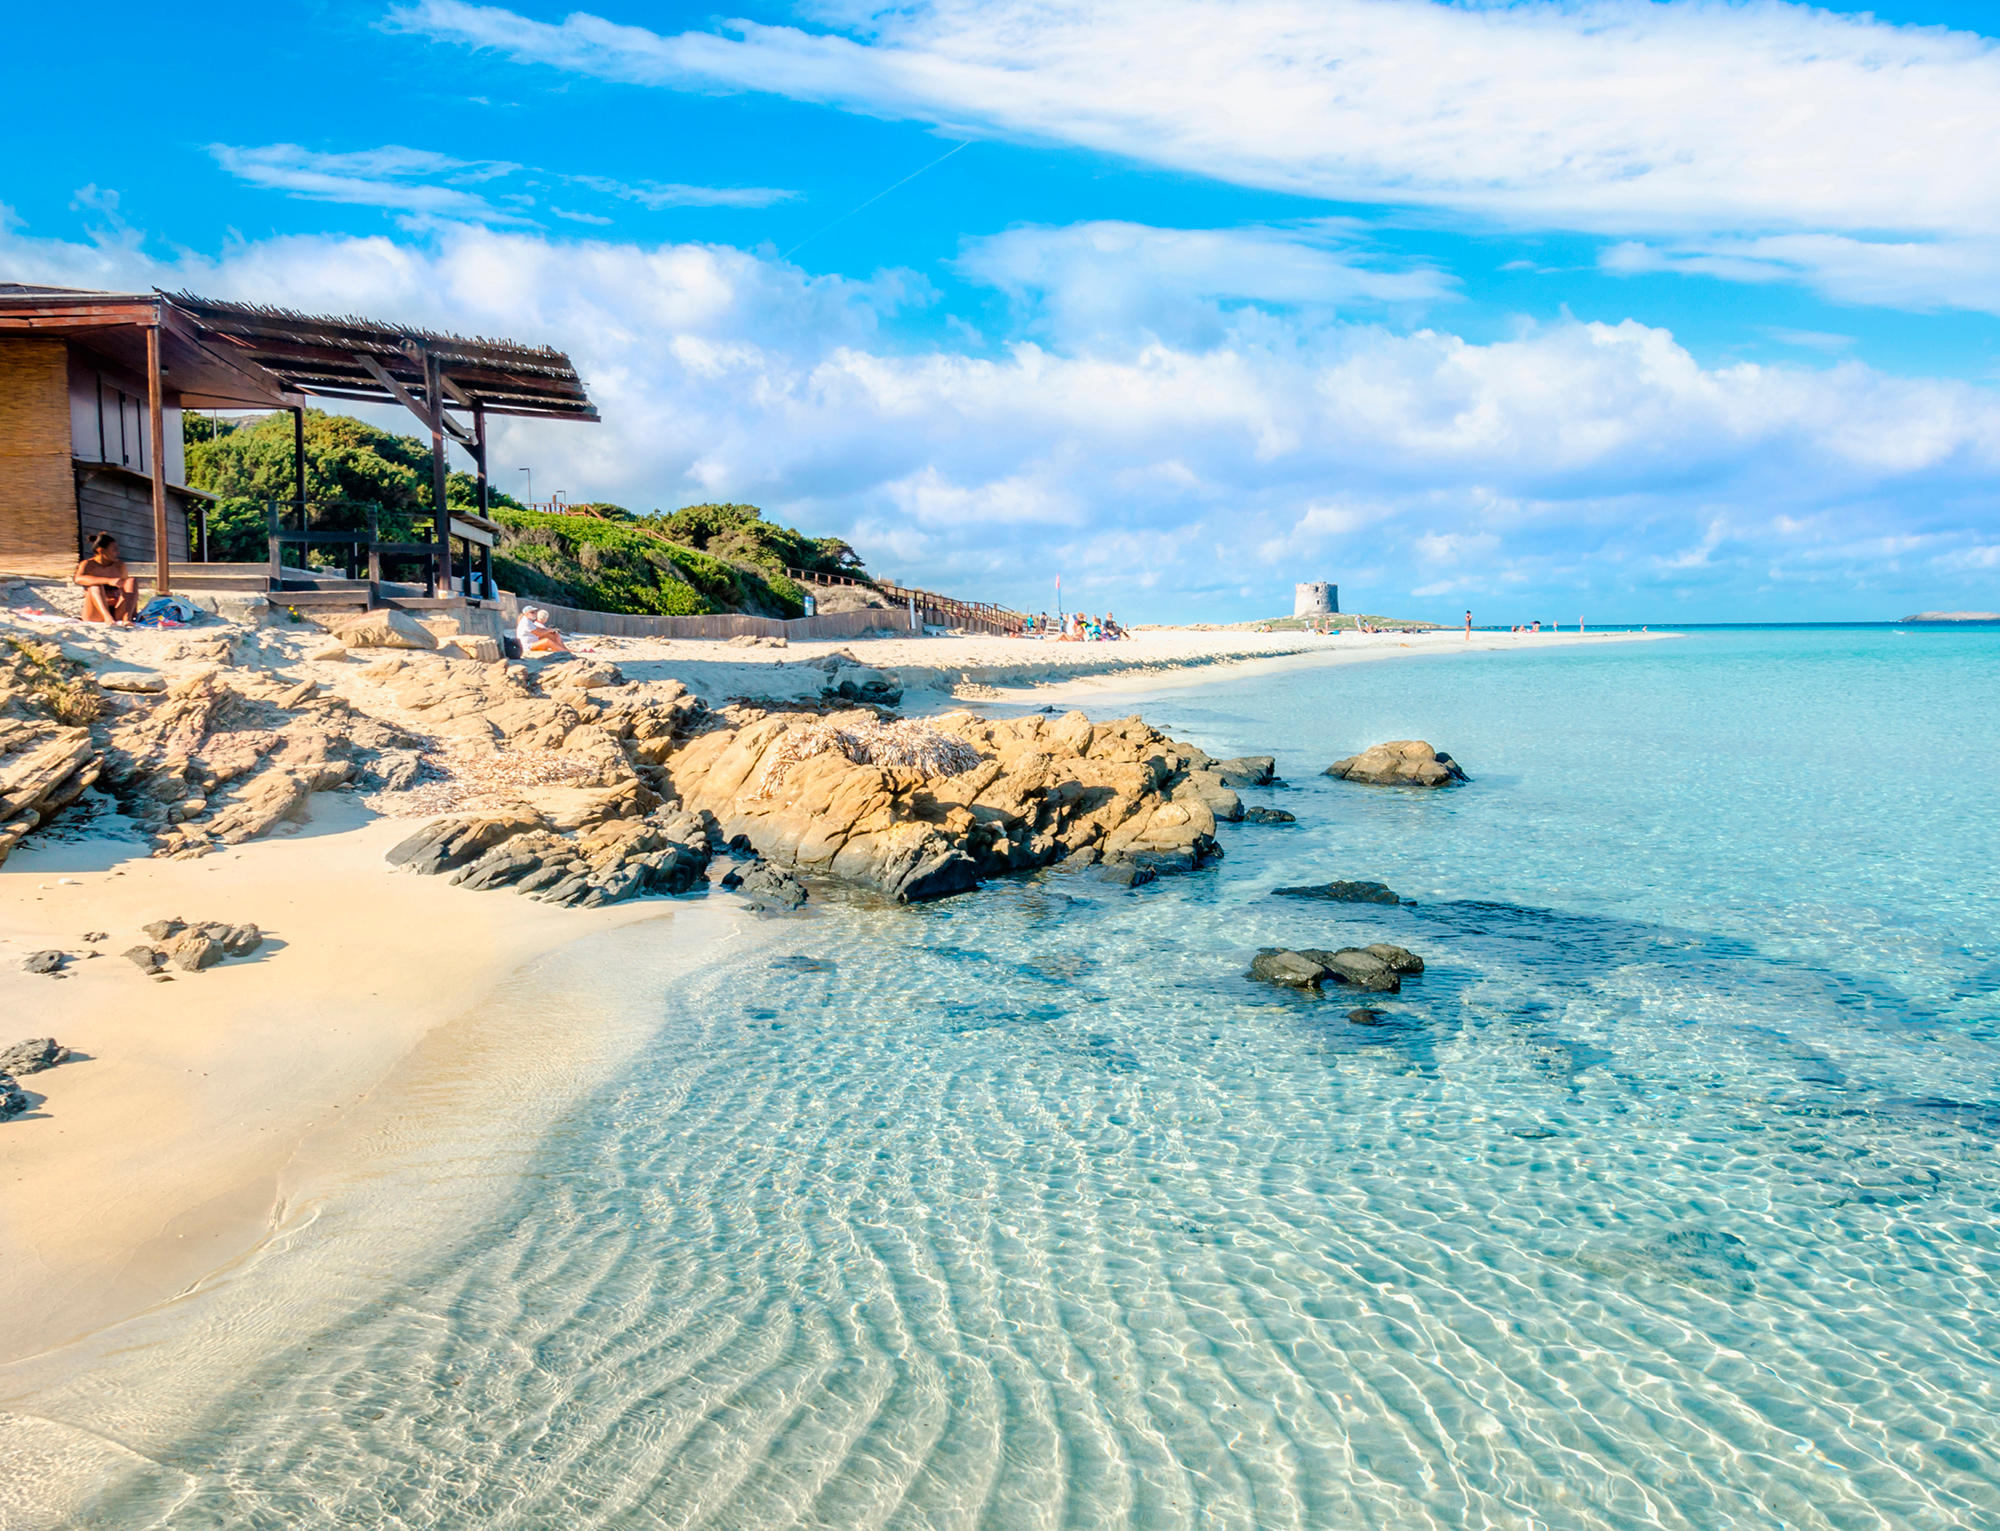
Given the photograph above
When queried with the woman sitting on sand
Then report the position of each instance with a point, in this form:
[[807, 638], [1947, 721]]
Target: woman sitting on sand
[[109, 593], [534, 633]]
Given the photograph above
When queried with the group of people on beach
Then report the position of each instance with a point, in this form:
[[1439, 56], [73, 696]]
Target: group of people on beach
[[536, 635], [1076, 628]]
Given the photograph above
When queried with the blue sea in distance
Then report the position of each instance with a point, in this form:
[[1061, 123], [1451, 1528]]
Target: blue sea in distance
[[1665, 1198]]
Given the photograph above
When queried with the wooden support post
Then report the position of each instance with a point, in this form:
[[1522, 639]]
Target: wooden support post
[[440, 471], [299, 461], [486, 573], [277, 547], [156, 413], [479, 454]]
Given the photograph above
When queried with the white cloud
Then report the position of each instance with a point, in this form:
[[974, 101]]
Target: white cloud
[[1905, 274], [394, 177], [1612, 116], [660, 194], [1100, 279], [1159, 477]]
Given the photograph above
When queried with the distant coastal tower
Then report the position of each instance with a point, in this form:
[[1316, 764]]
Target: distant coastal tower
[[1315, 598]]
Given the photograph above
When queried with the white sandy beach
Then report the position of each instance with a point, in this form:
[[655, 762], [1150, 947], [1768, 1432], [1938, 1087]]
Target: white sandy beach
[[156, 1155]]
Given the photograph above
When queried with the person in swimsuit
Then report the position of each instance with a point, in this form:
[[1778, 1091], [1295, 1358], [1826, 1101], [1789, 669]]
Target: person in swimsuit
[[109, 593]]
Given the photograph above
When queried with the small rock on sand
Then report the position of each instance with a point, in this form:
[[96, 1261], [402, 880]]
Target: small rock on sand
[[12, 1100], [159, 930], [45, 962], [195, 951], [148, 959], [132, 680], [32, 1056]]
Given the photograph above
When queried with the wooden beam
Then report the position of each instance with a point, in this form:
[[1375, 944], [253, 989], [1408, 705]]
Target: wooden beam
[[421, 410], [156, 412]]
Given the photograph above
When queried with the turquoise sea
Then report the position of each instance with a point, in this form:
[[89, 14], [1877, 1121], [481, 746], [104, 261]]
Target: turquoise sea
[[1667, 1197]]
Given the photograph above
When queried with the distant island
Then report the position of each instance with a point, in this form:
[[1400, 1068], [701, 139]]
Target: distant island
[[1955, 616]]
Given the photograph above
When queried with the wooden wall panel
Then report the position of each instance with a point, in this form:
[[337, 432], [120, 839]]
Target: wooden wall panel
[[122, 506], [37, 488]]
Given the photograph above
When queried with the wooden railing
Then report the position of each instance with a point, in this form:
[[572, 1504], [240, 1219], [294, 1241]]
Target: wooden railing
[[938, 610]]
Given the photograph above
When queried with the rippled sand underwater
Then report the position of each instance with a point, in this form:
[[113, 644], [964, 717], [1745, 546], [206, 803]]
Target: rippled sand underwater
[[1666, 1197]]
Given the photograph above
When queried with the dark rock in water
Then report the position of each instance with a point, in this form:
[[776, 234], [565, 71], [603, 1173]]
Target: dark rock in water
[[1268, 816], [13, 1101], [1344, 892], [148, 959], [771, 889], [32, 1056], [1295, 970], [1400, 763], [1122, 874], [159, 930], [1398, 959], [45, 962], [799, 963], [1366, 1017], [1533, 1134], [1246, 771], [1352, 965]]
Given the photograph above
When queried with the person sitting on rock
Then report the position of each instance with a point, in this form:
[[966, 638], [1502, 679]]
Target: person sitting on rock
[[109, 593], [534, 633]]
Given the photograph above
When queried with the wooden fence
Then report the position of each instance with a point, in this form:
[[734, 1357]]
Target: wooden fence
[[939, 610]]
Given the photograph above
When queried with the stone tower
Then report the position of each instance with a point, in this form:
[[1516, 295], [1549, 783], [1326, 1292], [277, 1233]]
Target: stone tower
[[1315, 598]]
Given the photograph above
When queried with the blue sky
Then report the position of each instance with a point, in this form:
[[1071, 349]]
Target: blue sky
[[1648, 311]]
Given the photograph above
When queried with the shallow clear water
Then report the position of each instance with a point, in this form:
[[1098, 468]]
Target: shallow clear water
[[1666, 1197]]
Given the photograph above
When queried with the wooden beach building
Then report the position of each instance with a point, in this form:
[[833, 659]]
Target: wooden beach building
[[92, 385]]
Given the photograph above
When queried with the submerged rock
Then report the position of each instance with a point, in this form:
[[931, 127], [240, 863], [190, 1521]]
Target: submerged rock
[[1293, 969], [1399, 763], [768, 888], [1246, 771], [32, 1056], [1343, 892], [1268, 816], [1356, 966], [1376, 969]]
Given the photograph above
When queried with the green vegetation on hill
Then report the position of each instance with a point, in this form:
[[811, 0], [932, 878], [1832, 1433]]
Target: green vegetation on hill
[[600, 557]]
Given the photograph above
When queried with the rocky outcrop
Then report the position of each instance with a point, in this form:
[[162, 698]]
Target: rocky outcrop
[[622, 844], [13, 1100], [1343, 892], [1040, 790], [1378, 968], [47, 757], [1400, 763], [32, 1056]]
